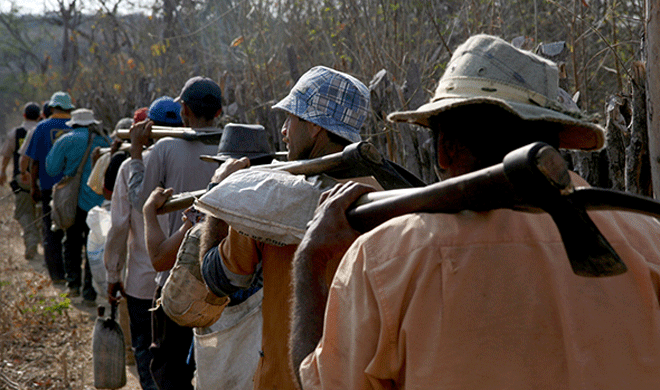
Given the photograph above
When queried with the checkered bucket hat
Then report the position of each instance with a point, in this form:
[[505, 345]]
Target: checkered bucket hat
[[331, 99]]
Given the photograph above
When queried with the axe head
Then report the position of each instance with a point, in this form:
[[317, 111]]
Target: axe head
[[540, 176]]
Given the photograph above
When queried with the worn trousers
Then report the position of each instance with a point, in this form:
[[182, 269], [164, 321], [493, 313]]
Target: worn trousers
[[52, 240], [75, 239], [26, 215], [140, 323], [171, 346]]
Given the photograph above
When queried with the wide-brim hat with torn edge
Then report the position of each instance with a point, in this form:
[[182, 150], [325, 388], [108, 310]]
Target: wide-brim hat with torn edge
[[488, 70]]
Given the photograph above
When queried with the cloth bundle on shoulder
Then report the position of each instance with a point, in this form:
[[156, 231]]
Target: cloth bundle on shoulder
[[95, 180], [271, 206]]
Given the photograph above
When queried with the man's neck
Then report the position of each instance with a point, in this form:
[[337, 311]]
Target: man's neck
[[199, 123], [60, 114], [321, 149]]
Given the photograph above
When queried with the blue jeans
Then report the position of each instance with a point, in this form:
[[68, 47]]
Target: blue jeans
[[52, 240], [75, 238], [140, 322]]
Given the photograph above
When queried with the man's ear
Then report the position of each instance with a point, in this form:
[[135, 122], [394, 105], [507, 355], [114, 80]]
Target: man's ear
[[218, 113], [443, 152], [185, 110], [314, 129]]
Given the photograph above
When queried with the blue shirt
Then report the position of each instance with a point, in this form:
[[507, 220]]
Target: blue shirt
[[43, 138], [65, 156]]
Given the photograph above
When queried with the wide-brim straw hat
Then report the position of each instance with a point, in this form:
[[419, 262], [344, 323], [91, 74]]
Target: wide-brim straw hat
[[82, 117], [488, 70]]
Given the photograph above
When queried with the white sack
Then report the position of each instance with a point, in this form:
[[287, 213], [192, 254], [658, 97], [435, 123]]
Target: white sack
[[98, 220], [268, 205]]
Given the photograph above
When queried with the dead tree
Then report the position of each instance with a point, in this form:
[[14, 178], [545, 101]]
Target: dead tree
[[407, 145], [652, 34], [638, 165], [617, 139]]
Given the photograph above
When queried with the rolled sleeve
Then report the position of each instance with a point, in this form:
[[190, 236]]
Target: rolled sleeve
[[136, 183], [220, 280]]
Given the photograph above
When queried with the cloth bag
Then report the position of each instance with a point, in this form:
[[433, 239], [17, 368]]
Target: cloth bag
[[227, 352], [64, 202], [185, 298], [108, 351]]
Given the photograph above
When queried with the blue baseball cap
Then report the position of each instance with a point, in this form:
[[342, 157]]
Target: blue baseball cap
[[61, 100], [331, 99], [201, 91], [165, 111]]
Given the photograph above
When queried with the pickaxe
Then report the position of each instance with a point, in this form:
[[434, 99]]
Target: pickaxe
[[533, 178], [357, 159], [186, 133]]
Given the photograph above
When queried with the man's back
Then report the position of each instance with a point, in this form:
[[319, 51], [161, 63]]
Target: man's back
[[489, 300], [175, 163], [43, 138]]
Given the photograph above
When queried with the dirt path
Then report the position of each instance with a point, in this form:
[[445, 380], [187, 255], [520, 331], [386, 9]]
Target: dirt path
[[45, 338]]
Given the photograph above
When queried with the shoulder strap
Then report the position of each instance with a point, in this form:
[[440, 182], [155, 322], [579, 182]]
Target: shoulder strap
[[81, 166]]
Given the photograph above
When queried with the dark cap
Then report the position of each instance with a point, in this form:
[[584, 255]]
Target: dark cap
[[201, 91], [239, 140], [47, 111], [32, 111]]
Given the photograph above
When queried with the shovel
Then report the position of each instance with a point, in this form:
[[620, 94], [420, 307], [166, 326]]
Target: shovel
[[108, 351]]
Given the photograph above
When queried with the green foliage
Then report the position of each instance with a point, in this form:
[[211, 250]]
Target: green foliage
[[49, 307]]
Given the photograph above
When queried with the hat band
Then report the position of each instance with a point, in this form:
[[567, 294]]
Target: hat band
[[463, 87]]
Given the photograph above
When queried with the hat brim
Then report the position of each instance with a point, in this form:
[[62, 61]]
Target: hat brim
[[226, 156], [576, 134], [81, 123]]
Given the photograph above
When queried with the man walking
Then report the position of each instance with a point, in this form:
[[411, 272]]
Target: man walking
[[478, 300], [24, 211], [64, 158], [41, 184], [174, 163], [325, 111]]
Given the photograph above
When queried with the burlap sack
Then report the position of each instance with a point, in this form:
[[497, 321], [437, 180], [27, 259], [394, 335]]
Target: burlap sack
[[185, 298], [268, 205]]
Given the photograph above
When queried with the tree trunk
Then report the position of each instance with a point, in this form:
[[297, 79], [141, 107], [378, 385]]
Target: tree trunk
[[402, 143], [616, 142], [638, 172], [653, 89]]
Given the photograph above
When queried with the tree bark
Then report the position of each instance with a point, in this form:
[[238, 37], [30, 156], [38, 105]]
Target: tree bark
[[616, 142], [653, 89], [638, 171]]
